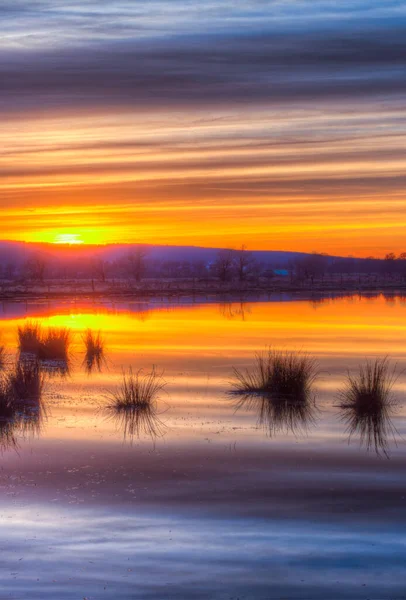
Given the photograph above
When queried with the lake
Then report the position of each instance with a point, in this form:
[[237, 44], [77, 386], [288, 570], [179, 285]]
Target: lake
[[219, 506]]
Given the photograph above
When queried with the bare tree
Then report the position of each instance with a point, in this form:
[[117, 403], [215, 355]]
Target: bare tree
[[199, 269], [35, 268], [136, 262], [314, 266], [223, 265], [99, 268], [10, 271], [244, 263], [389, 264]]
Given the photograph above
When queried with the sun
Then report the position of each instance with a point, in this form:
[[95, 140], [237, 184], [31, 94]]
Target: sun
[[68, 238]]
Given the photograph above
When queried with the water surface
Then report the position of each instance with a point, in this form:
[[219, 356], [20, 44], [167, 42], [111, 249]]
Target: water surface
[[219, 506]]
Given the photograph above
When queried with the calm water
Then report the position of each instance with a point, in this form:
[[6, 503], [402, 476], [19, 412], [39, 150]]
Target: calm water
[[217, 507]]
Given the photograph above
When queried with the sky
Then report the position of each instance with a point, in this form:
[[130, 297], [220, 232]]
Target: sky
[[276, 124]]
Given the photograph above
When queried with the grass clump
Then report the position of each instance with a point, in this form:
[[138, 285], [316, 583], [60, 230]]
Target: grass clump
[[279, 388], [3, 357], [279, 375], [94, 357], [29, 337], [52, 345], [134, 404], [367, 404], [55, 344], [138, 391]]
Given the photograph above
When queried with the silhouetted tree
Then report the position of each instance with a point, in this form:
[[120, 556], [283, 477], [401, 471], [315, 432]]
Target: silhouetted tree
[[244, 263], [389, 264], [136, 262], [35, 268], [223, 265], [99, 269], [199, 269], [313, 266], [10, 270]]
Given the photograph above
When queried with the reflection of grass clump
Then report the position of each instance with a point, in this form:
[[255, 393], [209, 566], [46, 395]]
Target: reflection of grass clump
[[25, 383], [367, 404], [134, 403], [21, 408], [94, 356], [8, 418], [29, 337], [6, 401], [54, 368], [276, 414], [284, 375]]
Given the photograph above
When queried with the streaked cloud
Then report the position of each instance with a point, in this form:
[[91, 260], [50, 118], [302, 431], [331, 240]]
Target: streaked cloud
[[263, 122]]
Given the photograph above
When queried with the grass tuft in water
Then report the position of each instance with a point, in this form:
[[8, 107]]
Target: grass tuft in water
[[367, 404], [3, 357], [55, 344], [279, 375], [94, 357], [29, 337], [139, 390], [134, 404]]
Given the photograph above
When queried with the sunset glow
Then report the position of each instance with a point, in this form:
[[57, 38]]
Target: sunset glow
[[68, 238], [104, 145]]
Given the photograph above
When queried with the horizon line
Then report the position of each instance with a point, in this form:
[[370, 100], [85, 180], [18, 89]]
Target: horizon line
[[83, 245]]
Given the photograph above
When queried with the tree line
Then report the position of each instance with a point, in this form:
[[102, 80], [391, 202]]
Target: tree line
[[229, 265]]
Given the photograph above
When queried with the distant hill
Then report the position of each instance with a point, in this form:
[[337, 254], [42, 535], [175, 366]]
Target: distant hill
[[19, 252]]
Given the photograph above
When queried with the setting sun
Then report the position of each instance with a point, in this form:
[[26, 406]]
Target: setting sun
[[68, 238]]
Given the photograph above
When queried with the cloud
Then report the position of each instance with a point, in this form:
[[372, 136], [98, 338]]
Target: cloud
[[209, 70], [206, 108]]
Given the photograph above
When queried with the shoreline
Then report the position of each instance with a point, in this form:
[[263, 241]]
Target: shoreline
[[77, 291]]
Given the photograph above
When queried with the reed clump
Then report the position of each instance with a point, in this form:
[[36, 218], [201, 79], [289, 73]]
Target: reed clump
[[29, 337], [3, 357], [138, 390], [367, 404], [134, 403], [278, 374], [95, 350], [54, 345]]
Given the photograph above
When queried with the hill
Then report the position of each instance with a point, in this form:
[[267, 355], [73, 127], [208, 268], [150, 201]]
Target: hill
[[19, 252]]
